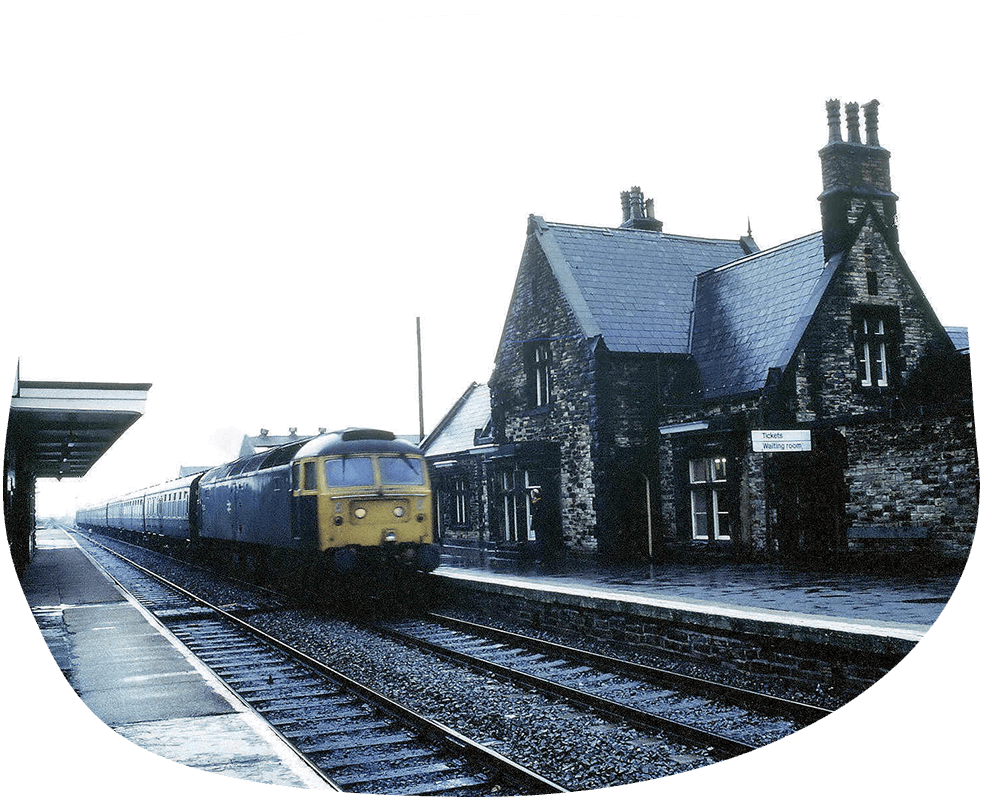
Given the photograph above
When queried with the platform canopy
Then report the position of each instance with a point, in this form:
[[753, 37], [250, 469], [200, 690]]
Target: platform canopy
[[62, 428]]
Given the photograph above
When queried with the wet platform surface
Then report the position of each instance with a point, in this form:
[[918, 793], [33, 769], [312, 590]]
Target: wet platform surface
[[140, 681], [903, 605]]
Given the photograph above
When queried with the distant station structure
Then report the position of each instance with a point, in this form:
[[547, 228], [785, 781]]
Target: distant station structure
[[264, 441], [58, 430]]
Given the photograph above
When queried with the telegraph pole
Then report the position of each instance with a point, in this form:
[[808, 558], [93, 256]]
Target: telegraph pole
[[418, 348]]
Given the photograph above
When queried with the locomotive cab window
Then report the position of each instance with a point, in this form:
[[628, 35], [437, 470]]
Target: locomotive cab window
[[308, 479], [349, 471], [401, 470]]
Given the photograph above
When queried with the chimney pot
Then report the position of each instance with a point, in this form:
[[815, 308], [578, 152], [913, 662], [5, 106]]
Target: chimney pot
[[852, 121], [636, 203], [834, 120], [871, 110]]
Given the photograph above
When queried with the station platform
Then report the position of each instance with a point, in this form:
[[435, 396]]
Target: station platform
[[845, 608], [140, 680]]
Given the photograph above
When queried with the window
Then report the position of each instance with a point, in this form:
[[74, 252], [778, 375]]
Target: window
[[517, 509], [875, 338], [308, 481], [349, 471], [399, 470], [460, 502], [538, 361], [708, 493]]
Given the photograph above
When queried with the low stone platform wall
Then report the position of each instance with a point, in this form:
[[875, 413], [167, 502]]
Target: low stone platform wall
[[803, 651]]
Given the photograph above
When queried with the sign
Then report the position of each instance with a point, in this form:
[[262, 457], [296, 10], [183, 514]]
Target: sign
[[776, 441]]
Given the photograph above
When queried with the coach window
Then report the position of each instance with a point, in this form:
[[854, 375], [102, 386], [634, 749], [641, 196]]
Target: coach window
[[709, 494]]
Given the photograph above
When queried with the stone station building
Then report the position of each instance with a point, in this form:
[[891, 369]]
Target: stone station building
[[664, 396]]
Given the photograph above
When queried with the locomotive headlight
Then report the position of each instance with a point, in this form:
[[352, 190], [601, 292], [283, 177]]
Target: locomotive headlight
[[359, 513], [399, 512]]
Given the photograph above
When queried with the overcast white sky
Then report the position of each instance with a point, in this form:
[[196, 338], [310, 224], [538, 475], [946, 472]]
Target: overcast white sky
[[256, 237]]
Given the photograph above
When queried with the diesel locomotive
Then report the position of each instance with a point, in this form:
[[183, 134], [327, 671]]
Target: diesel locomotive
[[336, 505]]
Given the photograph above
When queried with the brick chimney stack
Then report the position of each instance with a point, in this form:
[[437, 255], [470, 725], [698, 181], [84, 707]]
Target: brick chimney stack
[[855, 174]]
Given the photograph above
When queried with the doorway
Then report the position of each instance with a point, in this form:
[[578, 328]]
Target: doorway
[[809, 495]]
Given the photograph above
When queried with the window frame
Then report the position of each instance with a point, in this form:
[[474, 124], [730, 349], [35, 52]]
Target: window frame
[[712, 488], [308, 479], [538, 359], [876, 335], [517, 508], [461, 490]]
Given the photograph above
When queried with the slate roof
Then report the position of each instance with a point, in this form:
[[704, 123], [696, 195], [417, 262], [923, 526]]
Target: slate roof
[[750, 315], [960, 338], [455, 431], [632, 287], [739, 315]]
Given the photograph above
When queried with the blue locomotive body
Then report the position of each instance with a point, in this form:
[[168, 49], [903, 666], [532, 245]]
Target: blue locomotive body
[[249, 500], [341, 501]]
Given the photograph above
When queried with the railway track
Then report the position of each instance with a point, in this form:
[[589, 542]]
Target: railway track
[[356, 738], [714, 721], [729, 720]]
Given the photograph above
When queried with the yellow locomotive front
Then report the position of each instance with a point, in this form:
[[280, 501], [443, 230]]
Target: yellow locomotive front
[[365, 499]]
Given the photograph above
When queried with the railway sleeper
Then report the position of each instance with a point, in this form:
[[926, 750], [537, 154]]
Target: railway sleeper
[[370, 776], [394, 755], [352, 742]]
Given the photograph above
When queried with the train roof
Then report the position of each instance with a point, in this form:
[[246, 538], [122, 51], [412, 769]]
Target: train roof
[[182, 483], [356, 440], [336, 443], [281, 455]]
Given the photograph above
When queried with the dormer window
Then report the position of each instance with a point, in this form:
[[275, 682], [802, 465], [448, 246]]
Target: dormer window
[[875, 340]]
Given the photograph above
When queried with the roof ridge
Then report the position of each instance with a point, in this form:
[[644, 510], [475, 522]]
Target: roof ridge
[[763, 252], [642, 233]]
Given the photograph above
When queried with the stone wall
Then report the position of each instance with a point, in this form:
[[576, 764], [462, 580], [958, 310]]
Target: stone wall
[[808, 658], [826, 368], [914, 484], [539, 311]]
